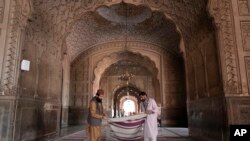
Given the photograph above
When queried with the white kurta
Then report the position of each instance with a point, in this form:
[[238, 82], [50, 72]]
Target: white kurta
[[150, 126]]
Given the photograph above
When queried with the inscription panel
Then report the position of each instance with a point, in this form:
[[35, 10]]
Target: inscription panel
[[245, 31]]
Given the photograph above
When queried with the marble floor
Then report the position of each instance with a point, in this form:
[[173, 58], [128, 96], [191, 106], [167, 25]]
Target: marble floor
[[164, 134]]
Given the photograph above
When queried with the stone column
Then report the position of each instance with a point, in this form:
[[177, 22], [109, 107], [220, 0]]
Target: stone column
[[65, 90]]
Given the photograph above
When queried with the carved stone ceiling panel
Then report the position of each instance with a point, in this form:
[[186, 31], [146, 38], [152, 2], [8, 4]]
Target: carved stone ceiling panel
[[125, 65], [111, 24]]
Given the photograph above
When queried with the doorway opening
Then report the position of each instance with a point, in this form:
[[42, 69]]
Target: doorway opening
[[128, 107]]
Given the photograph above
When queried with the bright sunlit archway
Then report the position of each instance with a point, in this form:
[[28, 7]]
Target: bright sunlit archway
[[129, 107]]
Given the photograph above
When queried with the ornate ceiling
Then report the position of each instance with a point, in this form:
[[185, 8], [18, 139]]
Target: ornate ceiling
[[79, 24], [125, 13], [122, 22], [121, 67]]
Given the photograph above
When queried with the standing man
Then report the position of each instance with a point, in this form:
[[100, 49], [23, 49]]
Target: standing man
[[149, 106], [95, 116]]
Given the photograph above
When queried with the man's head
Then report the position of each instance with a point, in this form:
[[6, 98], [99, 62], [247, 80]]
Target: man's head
[[99, 95], [143, 96]]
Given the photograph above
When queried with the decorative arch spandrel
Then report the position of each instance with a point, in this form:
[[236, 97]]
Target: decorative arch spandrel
[[221, 11]]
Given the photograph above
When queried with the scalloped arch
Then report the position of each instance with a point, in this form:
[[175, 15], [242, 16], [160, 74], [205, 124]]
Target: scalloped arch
[[118, 56]]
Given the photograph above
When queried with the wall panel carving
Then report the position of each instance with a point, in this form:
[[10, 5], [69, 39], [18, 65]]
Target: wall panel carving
[[79, 83], [19, 13], [1, 10], [244, 7], [35, 121], [79, 91], [245, 31], [222, 13], [203, 67], [244, 114], [247, 63], [6, 118], [174, 98], [10, 64], [209, 115], [238, 108]]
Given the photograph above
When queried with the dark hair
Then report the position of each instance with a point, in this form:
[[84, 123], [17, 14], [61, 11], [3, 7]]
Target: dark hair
[[142, 94], [99, 91]]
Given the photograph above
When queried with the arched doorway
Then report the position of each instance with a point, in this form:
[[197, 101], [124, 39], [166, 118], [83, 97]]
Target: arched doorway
[[128, 94], [111, 82], [128, 107]]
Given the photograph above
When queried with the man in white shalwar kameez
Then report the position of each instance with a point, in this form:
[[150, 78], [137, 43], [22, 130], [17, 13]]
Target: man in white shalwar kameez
[[149, 106]]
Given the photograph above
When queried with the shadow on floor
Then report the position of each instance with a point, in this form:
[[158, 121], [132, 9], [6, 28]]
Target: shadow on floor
[[164, 134]]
